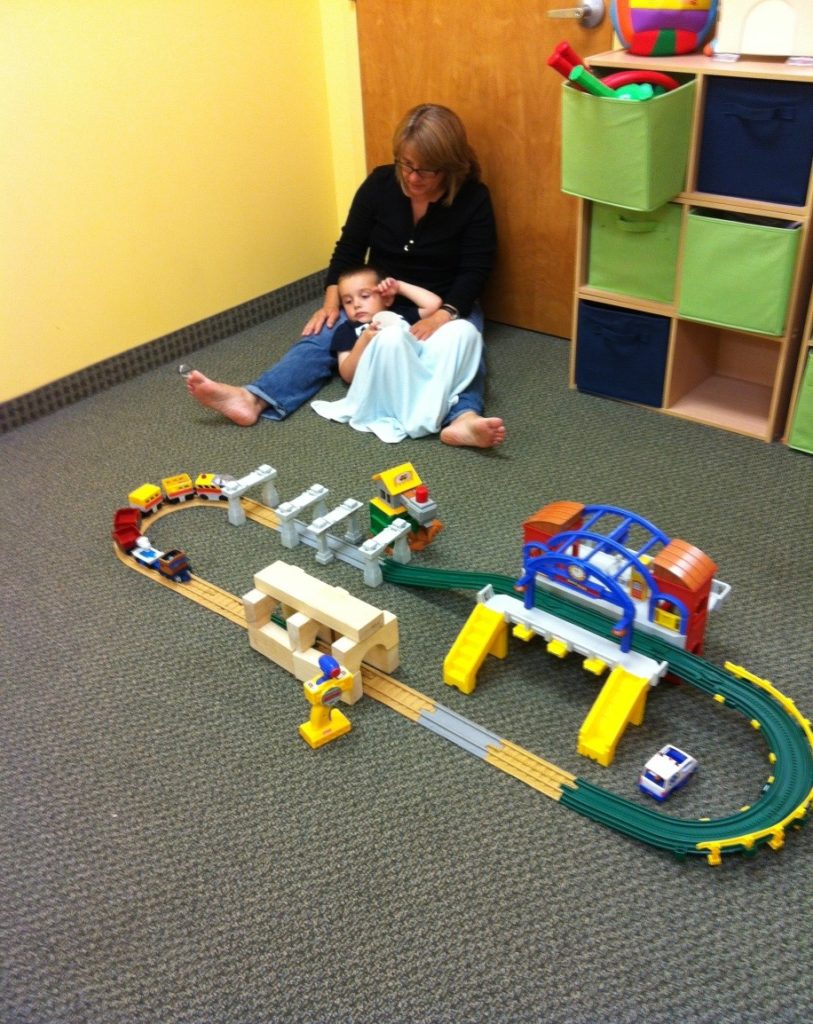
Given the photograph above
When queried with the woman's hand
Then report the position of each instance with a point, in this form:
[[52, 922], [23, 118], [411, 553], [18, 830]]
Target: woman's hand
[[327, 315], [425, 328], [324, 317]]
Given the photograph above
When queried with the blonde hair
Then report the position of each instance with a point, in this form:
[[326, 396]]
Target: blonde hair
[[439, 139]]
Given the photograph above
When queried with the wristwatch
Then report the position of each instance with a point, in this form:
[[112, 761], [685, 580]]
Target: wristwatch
[[453, 311]]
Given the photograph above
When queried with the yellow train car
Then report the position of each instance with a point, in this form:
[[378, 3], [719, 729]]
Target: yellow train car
[[178, 487], [209, 486], [146, 498]]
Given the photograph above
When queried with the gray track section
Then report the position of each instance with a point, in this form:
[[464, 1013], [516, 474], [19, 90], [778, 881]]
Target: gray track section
[[459, 730]]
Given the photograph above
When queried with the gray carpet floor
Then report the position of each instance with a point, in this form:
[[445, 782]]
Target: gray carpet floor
[[171, 851]]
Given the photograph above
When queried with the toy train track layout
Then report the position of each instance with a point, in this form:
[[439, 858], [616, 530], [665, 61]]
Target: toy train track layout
[[597, 581]]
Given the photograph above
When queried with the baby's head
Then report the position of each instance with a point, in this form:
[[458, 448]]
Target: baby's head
[[359, 296]]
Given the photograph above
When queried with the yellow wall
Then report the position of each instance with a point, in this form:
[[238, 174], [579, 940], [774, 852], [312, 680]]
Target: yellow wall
[[164, 160]]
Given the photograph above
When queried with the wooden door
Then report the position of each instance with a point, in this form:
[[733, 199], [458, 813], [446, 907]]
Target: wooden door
[[487, 60]]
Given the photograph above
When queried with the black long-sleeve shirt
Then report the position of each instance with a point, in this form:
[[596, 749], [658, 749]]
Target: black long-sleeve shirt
[[450, 250]]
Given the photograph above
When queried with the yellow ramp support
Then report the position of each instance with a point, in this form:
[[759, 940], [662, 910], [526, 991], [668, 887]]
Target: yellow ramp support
[[622, 700], [485, 632]]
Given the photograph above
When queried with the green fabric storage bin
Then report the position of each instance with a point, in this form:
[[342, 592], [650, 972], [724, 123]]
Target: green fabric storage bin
[[737, 271], [625, 152], [634, 253], [801, 432]]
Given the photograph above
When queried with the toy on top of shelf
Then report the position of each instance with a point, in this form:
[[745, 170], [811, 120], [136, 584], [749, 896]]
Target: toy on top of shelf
[[783, 28], [401, 494], [666, 772], [323, 693], [663, 28]]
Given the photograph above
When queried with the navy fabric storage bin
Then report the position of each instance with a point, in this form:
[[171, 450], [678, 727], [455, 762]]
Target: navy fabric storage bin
[[621, 353], [757, 140]]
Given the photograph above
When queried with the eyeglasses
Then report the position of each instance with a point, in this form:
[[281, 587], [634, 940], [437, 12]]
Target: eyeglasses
[[407, 169]]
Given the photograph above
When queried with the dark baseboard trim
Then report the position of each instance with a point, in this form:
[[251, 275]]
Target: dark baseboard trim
[[63, 392]]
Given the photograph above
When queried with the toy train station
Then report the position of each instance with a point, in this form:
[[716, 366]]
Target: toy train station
[[658, 584], [619, 563]]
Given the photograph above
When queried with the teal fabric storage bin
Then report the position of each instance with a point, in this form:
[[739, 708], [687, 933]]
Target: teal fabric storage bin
[[737, 271], [634, 253], [626, 153], [801, 431]]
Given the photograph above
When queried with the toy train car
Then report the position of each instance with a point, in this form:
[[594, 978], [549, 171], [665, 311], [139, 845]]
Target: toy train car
[[174, 564], [176, 489], [146, 498], [210, 486], [126, 533], [126, 527]]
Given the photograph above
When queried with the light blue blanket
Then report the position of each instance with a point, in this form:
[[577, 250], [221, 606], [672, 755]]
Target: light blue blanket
[[404, 387]]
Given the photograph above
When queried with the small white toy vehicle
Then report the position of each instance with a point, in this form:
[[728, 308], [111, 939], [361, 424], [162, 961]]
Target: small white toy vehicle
[[666, 771]]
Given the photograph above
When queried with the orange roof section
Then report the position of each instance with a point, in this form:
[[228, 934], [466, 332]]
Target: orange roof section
[[555, 517], [684, 564]]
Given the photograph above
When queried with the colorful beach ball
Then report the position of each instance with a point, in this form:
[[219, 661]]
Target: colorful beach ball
[[663, 28]]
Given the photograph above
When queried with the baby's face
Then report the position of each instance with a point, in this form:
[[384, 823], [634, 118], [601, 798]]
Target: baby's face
[[359, 297]]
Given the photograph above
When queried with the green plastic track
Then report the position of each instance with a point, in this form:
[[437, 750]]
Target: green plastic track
[[783, 800]]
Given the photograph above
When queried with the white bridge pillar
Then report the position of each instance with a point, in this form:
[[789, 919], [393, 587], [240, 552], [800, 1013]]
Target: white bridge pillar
[[235, 489], [289, 510]]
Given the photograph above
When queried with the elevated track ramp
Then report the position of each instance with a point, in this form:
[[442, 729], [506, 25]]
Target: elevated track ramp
[[621, 701], [787, 796], [485, 632]]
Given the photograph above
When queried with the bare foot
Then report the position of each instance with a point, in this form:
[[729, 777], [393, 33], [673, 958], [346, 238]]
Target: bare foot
[[236, 404], [472, 431]]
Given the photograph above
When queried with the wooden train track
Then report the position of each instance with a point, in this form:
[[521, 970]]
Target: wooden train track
[[197, 589], [261, 514], [521, 764], [534, 771], [395, 695]]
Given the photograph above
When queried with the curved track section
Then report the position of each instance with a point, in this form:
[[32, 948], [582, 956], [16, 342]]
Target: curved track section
[[199, 590], [787, 733]]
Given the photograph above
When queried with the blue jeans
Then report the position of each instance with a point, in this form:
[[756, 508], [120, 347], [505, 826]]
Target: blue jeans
[[309, 364]]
